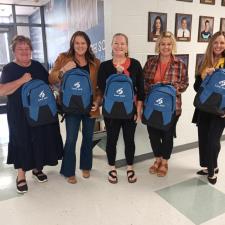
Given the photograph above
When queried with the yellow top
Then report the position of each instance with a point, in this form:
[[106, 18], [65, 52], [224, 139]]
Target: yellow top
[[219, 64]]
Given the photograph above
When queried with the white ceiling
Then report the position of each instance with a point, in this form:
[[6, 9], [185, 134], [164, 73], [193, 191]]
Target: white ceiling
[[25, 2], [6, 10]]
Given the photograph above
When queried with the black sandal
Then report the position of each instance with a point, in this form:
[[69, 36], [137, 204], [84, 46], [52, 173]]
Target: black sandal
[[130, 176], [23, 188], [205, 171], [40, 176], [111, 175]]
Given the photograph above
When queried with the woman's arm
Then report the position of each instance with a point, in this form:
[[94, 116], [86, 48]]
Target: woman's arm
[[11, 87], [146, 75], [101, 81], [140, 91], [198, 81], [61, 65], [182, 83], [97, 101]]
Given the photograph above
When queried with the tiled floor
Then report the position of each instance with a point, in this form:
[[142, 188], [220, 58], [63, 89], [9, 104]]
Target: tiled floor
[[181, 198]]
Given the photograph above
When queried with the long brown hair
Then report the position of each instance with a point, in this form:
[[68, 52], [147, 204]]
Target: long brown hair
[[89, 55], [208, 60]]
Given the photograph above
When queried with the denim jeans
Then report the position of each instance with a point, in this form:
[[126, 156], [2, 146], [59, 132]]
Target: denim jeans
[[69, 158]]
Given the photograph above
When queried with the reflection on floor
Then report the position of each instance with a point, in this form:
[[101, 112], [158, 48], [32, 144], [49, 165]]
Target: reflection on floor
[[181, 198]]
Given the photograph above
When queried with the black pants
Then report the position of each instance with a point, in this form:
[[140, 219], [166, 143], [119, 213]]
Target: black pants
[[113, 129], [210, 130], [162, 141]]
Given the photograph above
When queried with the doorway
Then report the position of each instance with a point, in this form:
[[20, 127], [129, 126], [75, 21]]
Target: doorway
[[7, 32]]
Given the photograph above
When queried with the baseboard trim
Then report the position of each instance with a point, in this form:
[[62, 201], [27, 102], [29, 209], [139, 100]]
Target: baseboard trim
[[177, 149]]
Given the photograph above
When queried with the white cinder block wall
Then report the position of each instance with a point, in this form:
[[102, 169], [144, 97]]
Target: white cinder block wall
[[131, 17]]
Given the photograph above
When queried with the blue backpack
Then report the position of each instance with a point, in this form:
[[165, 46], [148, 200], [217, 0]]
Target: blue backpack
[[211, 95], [160, 107], [118, 100], [39, 103], [76, 92]]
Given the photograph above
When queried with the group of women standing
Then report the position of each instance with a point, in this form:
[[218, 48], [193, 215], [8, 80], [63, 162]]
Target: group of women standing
[[32, 148]]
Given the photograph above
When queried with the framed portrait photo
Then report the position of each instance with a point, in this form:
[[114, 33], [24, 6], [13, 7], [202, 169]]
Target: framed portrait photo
[[209, 2], [157, 23], [184, 58], [183, 27], [199, 59], [185, 0], [222, 24], [205, 28], [150, 56], [223, 2]]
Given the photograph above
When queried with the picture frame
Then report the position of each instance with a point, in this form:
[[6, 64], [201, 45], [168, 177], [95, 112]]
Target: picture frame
[[185, 0], [223, 2], [222, 24], [199, 58], [209, 2], [150, 56], [183, 24], [157, 23], [205, 28], [184, 58]]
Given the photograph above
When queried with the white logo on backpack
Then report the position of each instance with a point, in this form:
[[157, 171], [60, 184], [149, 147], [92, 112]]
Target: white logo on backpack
[[42, 96], [119, 93], [159, 102], [220, 84], [77, 86]]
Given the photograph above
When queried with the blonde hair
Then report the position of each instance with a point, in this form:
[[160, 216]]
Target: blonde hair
[[18, 39], [208, 60], [166, 34], [126, 39]]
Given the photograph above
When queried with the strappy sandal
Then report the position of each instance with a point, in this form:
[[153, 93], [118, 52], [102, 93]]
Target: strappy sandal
[[40, 176], [21, 189], [205, 171], [162, 170], [131, 176], [154, 168], [113, 175]]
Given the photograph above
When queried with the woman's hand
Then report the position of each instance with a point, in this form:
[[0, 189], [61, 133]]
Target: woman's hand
[[70, 65], [223, 116], [25, 78], [210, 70], [95, 106], [137, 117], [119, 69]]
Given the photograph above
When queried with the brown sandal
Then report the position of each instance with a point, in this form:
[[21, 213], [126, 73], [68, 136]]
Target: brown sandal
[[72, 180], [162, 170], [154, 168]]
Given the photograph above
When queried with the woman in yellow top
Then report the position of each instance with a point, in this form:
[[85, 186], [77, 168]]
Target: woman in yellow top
[[210, 127], [81, 56]]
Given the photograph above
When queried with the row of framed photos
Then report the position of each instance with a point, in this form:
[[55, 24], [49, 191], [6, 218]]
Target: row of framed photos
[[157, 23], [185, 59], [209, 2]]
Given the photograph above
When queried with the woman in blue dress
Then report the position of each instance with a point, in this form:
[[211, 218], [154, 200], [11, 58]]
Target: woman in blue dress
[[29, 148]]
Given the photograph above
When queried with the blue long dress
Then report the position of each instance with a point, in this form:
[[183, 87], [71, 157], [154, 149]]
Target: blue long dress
[[29, 147]]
